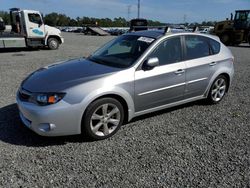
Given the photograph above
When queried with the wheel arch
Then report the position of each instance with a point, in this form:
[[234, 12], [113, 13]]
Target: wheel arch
[[227, 75], [118, 98], [53, 36], [128, 112], [228, 80]]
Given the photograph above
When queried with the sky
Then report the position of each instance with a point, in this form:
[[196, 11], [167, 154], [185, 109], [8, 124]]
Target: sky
[[166, 11]]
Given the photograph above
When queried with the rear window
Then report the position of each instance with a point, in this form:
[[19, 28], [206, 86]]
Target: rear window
[[215, 46]]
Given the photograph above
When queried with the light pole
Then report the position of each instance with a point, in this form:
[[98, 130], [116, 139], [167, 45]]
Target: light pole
[[139, 6]]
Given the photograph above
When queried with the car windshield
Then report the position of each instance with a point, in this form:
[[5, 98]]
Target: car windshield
[[122, 52]]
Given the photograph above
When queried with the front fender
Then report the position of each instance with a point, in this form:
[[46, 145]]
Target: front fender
[[115, 91]]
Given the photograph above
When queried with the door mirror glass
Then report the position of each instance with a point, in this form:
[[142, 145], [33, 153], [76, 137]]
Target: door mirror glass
[[151, 63]]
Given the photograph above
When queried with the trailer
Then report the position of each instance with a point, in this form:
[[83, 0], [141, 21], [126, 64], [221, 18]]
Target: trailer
[[29, 30], [95, 30]]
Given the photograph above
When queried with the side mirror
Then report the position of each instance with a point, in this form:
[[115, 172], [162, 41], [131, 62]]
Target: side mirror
[[151, 63], [40, 22]]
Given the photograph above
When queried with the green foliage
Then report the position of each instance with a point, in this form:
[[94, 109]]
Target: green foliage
[[5, 16], [55, 19]]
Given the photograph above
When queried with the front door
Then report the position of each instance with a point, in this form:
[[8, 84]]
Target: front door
[[35, 26], [165, 83]]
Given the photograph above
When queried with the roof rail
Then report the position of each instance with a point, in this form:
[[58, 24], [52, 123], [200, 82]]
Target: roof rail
[[167, 29], [14, 9], [195, 29]]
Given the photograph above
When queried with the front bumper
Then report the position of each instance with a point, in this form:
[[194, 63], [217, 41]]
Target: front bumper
[[62, 40], [53, 120]]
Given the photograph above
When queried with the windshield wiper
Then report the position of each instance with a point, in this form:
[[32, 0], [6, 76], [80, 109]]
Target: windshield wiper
[[96, 60]]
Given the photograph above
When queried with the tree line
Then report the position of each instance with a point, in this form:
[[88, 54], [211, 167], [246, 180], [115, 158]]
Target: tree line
[[55, 19]]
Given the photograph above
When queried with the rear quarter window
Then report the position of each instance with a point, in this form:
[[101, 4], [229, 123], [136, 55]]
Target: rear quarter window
[[215, 46]]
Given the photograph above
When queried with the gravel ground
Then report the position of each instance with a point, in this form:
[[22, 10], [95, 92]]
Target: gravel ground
[[193, 145]]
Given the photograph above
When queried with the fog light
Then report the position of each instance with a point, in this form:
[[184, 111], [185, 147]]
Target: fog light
[[46, 127]]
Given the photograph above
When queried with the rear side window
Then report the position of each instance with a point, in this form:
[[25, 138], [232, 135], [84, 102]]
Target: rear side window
[[215, 46], [196, 47]]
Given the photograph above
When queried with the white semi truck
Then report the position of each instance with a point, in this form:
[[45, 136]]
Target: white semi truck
[[29, 30]]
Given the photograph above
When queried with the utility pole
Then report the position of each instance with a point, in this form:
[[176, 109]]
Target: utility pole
[[184, 18], [129, 11], [139, 6]]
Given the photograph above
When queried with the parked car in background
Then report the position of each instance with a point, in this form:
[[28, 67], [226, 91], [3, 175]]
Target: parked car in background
[[79, 30], [206, 29], [134, 74]]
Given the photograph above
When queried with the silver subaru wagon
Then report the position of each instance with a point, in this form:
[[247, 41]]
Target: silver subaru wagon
[[134, 74]]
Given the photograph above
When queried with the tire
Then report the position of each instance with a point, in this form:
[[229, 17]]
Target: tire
[[218, 90], [225, 39], [53, 44], [103, 118]]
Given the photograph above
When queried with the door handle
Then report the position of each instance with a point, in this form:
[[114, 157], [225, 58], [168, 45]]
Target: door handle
[[180, 71], [31, 27], [212, 64]]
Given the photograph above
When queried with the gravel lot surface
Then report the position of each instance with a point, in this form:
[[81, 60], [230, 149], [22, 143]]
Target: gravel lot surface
[[193, 145]]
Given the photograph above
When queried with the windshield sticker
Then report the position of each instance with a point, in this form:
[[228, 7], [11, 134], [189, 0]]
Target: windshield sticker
[[146, 39]]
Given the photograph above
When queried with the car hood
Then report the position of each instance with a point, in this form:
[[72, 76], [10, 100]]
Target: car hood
[[52, 30], [61, 76]]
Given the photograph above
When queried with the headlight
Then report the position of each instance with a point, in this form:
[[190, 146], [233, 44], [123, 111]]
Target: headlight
[[49, 98]]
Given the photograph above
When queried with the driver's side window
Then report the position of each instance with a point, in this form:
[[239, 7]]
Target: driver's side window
[[35, 18], [169, 51]]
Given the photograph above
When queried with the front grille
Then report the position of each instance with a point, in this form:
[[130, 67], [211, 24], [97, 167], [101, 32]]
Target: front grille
[[24, 95]]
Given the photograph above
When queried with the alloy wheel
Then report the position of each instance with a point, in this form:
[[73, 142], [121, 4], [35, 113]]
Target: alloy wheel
[[218, 89], [105, 119]]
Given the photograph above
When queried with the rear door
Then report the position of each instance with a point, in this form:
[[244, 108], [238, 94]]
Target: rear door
[[165, 83], [199, 65]]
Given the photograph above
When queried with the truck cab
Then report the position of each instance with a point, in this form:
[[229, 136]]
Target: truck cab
[[242, 19], [29, 26]]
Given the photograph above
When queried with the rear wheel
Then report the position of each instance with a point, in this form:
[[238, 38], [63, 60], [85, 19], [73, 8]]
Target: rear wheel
[[218, 89], [53, 44], [103, 118]]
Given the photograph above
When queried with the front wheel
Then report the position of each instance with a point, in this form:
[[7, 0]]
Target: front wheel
[[218, 89], [103, 118], [53, 44], [225, 39]]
